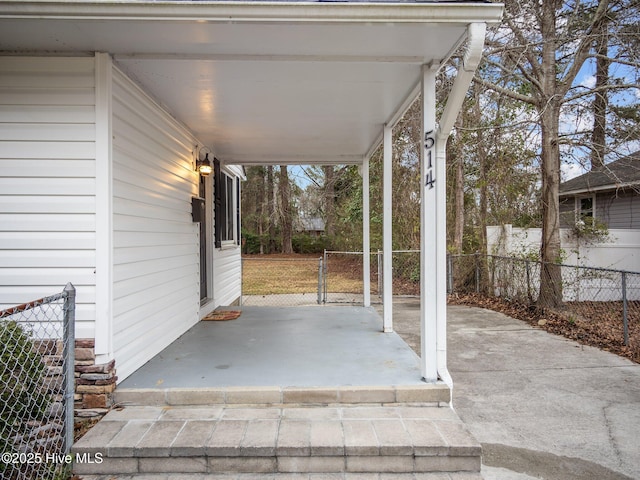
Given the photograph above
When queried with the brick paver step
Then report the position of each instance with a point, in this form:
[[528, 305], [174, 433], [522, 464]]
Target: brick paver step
[[277, 440]]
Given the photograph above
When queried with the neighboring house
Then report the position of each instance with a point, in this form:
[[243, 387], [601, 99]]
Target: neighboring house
[[313, 226], [610, 195], [104, 111]]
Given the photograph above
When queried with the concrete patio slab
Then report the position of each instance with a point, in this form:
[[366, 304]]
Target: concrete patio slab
[[284, 347], [542, 406]]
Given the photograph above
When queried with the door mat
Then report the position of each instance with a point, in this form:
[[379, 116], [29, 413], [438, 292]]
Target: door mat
[[222, 315]]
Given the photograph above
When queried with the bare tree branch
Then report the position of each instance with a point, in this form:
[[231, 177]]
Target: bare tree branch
[[505, 91]]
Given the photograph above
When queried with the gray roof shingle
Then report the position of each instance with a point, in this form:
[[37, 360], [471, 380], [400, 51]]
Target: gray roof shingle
[[618, 174]]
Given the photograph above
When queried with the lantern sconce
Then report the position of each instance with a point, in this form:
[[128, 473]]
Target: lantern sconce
[[203, 164]]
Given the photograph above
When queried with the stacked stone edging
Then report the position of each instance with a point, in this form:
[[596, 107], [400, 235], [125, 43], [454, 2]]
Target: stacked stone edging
[[94, 383]]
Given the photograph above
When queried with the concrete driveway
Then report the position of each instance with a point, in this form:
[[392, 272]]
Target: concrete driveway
[[542, 406]]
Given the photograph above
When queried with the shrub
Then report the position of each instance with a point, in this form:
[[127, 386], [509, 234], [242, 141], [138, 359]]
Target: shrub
[[21, 380], [250, 242], [304, 243]]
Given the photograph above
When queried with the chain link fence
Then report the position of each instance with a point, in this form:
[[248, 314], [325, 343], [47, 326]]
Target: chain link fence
[[37, 387], [336, 278], [405, 267], [598, 296], [281, 280], [343, 276]]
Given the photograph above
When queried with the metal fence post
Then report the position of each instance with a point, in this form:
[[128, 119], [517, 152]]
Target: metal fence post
[[319, 280], [69, 360], [380, 282], [625, 317], [242, 261], [325, 272], [477, 272], [528, 269]]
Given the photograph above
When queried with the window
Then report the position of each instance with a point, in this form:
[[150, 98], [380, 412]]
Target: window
[[586, 209], [228, 209], [226, 204]]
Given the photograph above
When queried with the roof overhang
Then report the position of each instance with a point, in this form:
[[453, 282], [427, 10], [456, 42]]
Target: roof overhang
[[261, 82], [600, 189]]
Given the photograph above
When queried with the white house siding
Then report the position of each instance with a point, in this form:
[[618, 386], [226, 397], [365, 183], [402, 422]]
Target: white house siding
[[156, 255], [617, 210], [227, 261], [227, 276], [620, 210], [47, 181]]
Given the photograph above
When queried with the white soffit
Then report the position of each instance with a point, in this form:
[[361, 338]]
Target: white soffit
[[259, 82]]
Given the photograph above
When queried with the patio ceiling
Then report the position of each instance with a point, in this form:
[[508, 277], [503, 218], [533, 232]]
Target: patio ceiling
[[261, 82]]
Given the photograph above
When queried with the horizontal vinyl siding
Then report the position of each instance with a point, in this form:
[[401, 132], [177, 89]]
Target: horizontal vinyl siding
[[227, 265], [156, 255], [567, 212], [47, 181], [621, 210]]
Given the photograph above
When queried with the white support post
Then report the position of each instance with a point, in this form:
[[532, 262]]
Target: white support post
[[432, 175], [387, 226], [366, 239], [441, 263], [104, 226], [471, 59]]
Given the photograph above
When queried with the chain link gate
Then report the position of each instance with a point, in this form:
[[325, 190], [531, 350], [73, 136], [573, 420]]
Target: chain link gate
[[342, 280], [36, 388], [343, 276]]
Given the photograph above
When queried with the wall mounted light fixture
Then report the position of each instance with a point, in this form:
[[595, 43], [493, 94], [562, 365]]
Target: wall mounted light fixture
[[203, 164]]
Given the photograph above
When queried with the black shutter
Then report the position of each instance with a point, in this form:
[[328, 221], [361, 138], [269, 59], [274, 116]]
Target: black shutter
[[218, 178], [238, 230]]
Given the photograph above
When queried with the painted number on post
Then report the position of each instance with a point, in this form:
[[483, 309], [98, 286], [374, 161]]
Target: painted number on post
[[429, 143]]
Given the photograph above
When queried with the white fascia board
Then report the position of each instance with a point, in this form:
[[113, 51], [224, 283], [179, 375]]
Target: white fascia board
[[239, 171], [235, 170], [294, 160], [249, 11], [603, 188]]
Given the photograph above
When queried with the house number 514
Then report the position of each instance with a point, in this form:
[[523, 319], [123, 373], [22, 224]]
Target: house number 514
[[429, 142]]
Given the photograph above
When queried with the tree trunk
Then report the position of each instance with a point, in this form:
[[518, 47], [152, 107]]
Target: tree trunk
[[458, 159], [329, 200], [261, 207], [481, 155], [286, 222], [483, 160], [549, 108], [550, 274], [601, 101], [271, 208]]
